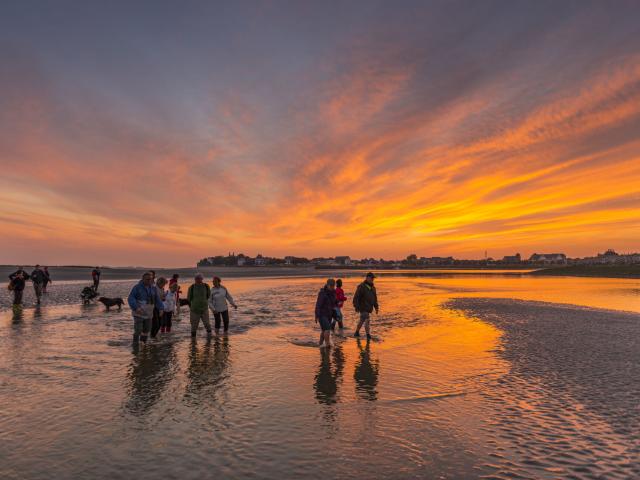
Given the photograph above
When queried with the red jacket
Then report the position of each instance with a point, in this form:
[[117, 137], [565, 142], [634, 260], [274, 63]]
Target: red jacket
[[340, 297]]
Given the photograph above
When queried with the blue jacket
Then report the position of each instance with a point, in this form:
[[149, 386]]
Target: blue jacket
[[326, 303], [141, 293]]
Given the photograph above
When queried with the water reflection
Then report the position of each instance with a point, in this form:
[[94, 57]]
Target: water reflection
[[150, 371], [207, 369], [329, 377], [366, 373]]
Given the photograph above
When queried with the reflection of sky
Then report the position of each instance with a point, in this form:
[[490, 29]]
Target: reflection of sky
[[158, 134]]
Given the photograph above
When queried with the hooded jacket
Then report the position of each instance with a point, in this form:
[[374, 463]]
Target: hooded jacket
[[326, 302]]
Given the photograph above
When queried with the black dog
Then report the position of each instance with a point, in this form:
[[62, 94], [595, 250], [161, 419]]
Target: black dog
[[88, 294], [183, 302], [111, 302]]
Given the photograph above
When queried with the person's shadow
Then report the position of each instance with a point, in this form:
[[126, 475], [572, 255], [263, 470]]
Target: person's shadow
[[366, 373], [207, 370], [327, 379], [152, 367]]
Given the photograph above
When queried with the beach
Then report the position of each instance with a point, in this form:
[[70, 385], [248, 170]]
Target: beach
[[467, 376]]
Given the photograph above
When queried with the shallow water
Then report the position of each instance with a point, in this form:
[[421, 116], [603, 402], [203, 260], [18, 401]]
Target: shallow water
[[436, 394]]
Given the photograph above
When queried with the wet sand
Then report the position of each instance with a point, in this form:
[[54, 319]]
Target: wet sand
[[457, 383], [572, 386]]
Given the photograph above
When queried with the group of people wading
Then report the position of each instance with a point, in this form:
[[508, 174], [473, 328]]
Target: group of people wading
[[40, 278], [329, 305], [153, 307], [154, 302]]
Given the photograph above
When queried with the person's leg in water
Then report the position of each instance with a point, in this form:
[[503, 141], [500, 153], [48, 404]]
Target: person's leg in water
[[168, 316], [325, 334], [37, 287], [206, 322], [225, 320], [339, 318], [366, 326], [155, 323], [217, 320], [364, 316], [195, 320]]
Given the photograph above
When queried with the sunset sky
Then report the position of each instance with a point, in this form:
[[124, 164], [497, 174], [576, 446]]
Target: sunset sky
[[158, 133]]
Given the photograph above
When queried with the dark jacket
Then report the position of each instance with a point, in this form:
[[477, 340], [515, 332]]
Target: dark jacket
[[17, 283], [198, 296], [38, 276], [326, 302], [365, 298], [25, 275]]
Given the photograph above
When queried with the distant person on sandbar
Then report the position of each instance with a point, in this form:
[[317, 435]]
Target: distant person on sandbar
[[365, 301], [337, 312], [325, 305], [142, 300], [218, 304], [198, 296], [47, 279], [95, 275], [38, 277], [16, 285]]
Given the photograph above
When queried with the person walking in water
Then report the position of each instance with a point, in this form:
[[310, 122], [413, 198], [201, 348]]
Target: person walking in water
[[16, 285], [365, 301], [325, 305], [158, 313], [38, 277], [47, 279], [218, 304], [174, 281], [95, 275], [169, 308], [198, 296], [337, 312], [142, 300]]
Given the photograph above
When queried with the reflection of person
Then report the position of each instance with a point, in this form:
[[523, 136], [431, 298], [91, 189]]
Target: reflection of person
[[142, 300], [198, 296], [327, 379], [38, 277], [366, 373], [206, 370], [151, 369], [218, 304], [365, 300], [95, 276], [325, 305]]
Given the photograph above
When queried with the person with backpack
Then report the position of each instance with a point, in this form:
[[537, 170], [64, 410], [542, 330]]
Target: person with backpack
[[325, 305], [95, 276], [198, 296], [38, 278], [365, 300], [218, 304], [16, 285]]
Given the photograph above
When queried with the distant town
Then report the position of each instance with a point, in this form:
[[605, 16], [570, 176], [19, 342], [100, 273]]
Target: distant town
[[610, 257]]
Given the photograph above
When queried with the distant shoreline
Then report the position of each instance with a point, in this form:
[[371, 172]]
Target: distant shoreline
[[600, 271]]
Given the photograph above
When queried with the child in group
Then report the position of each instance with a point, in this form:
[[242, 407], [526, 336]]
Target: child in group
[[337, 312], [169, 307]]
